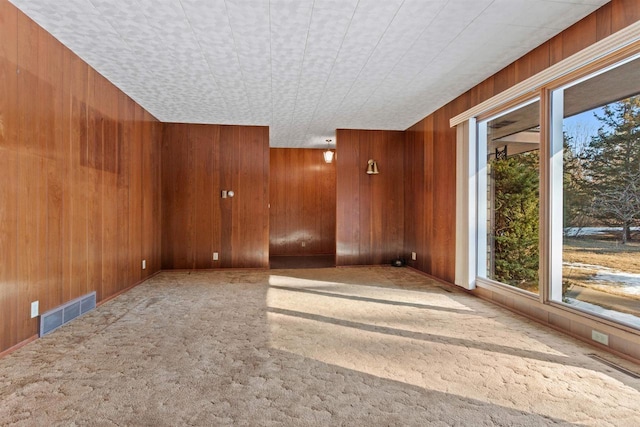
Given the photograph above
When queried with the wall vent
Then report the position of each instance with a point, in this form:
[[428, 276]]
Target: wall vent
[[53, 319]]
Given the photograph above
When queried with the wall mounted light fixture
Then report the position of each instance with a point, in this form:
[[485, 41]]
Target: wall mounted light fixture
[[372, 167], [328, 155]]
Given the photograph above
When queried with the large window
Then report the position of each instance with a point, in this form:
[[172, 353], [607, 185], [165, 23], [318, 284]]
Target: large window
[[509, 197], [595, 193]]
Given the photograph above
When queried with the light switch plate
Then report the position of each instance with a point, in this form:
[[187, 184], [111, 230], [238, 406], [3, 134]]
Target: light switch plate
[[35, 309]]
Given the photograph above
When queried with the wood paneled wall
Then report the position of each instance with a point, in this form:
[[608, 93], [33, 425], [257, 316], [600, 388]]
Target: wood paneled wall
[[79, 174], [198, 162], [370, 208], [303, 203], [430, 144]]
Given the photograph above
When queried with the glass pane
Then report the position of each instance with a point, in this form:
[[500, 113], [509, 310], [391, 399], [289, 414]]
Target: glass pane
[[601, 194], [512, 198]]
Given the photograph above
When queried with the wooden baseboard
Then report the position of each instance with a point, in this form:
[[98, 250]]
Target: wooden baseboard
[[19, 345], [122, 291], [437, 279], [35, 337]]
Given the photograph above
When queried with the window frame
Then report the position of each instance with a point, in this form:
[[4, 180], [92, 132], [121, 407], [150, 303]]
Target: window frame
[[555, 189], [597, 58], [481, 196]]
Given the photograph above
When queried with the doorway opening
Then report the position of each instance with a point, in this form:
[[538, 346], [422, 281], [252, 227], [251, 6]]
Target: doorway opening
[[302, 209]]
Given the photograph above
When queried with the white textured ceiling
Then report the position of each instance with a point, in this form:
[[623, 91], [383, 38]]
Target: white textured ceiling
[[302, 67]]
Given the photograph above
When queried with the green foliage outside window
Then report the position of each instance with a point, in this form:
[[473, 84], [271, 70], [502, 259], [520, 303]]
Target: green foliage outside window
[[516, 220]]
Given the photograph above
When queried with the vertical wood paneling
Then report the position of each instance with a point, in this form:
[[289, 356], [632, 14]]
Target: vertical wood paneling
[[124, 138], [603, 21], [154, 188], [303, 202], [8, 174], [348, 173], [94, 188], [148, 186], [624, 13], [414, 190], [77, 203], [442, 234], [64, 199], [250, 226], [31, 181], [108, 105], [202, 141], [431, 183], [229, 139], [52, 96], [370, 214], [198, 162], [135, 196]]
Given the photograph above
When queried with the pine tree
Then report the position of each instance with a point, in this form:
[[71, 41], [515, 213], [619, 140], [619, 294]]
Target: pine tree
[[611, 165], [516, 219]]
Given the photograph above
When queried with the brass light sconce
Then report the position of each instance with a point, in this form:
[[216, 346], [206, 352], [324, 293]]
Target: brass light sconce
[[372, 167]]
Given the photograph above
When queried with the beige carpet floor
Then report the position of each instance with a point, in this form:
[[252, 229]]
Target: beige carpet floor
[[370, 346]]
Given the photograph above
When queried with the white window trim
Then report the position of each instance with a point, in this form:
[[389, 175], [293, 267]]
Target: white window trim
[[465, 274]]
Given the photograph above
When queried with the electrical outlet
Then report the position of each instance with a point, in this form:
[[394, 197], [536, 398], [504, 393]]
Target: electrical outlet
[[144, 264], [413, 256], [35, 309], [215, 256], [600, 337], [304, 244]]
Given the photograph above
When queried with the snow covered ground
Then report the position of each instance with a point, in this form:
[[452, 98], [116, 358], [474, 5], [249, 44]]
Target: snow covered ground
[[624, 282], [593, 231], [618, 282]]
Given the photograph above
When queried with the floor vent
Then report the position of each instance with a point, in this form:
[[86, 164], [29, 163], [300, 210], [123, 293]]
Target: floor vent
[[53, 319], [614, 366]]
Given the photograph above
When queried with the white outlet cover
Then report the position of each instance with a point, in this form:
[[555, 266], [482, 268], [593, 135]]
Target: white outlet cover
[[35, 309], [144, 264], [600, 337], [215, 256], [413, 256]]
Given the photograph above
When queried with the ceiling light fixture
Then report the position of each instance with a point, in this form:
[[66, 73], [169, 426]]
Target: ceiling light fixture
[[328, 155]]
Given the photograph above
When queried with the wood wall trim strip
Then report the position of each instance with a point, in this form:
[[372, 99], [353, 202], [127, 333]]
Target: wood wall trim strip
[[623, 38]]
